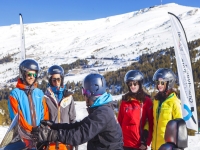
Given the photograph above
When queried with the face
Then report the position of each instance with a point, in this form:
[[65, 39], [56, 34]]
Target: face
[[56, 80], [88, 101], [161, 85], [30, 77], [134, 86]]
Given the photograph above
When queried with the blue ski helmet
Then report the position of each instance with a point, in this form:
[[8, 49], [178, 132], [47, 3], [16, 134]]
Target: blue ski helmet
[[55, 69], [94, 84], [26, 65], [167, 75], [133, 75]]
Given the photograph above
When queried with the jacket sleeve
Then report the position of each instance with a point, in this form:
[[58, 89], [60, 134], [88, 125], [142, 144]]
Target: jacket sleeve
[[88, 129], [72, 111], [14, 109], [177, 112], [120, 114], [45, 109], [150, 121]]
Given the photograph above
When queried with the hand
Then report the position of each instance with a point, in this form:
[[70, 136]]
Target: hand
[[67, 93], [143, 147], [43, 133], [50, 124]]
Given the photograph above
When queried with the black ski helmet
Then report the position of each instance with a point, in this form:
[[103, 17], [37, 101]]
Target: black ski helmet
[[55, 69], [26, 65], [167, 75], [95, 84], [134, 75]]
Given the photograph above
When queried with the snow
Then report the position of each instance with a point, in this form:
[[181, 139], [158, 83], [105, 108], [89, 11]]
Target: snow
[[125, 36], [193, 141]]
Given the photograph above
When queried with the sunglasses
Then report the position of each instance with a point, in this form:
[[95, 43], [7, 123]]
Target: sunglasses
[[86, 93], [29, 74], [56, 79], [160, 82], [132, 83]]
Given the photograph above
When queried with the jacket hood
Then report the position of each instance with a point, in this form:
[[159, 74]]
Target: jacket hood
[[102, 100]]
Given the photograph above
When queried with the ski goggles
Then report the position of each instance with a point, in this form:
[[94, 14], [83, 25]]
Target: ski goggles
[[29, 74], [86, 92], [161, 83]]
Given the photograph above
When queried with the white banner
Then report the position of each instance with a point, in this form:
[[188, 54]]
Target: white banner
[[22, 38], [187, 93]]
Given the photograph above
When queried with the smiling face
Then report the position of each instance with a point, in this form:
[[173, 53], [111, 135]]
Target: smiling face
[[161, 85], [134, 86], [30, 77]]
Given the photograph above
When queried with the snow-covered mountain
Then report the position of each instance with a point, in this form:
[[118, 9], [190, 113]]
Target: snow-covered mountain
[[124, 36]]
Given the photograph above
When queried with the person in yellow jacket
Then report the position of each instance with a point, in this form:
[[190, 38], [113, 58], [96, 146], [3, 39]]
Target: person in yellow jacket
[[166, 105]]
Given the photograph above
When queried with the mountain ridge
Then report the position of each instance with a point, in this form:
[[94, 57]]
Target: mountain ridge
[[125, 36]]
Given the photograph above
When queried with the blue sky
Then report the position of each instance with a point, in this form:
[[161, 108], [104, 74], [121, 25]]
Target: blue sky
[[35, 11]]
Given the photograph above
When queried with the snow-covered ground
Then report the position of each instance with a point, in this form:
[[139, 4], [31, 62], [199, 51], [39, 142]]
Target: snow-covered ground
[[193, 141]]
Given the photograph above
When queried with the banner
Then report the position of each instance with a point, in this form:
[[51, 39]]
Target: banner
[[187, 93], [22, 38]]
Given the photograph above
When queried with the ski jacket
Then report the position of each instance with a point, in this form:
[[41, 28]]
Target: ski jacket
[[132, 117], [99, 129], [60, 112], [19, 103], [169, 109]]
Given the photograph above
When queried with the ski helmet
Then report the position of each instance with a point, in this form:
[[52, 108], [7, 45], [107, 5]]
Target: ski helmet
[[167, 75], [94, 84], [26, 65], [55, 69], [133, 75]]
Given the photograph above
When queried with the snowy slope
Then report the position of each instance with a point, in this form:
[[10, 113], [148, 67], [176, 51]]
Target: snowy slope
[[124, 36]]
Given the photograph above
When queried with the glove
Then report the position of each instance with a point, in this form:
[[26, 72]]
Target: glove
[[43, 133], [57, 126], [67, 93], [144, 137]]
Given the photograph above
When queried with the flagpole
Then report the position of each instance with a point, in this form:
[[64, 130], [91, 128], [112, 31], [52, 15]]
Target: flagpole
[[22, 39]]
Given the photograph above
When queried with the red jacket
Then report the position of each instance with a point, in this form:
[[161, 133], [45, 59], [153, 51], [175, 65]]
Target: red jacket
[[132, 118]]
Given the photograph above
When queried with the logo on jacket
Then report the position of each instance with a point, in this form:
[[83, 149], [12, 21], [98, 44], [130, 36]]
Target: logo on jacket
[[65, 102]]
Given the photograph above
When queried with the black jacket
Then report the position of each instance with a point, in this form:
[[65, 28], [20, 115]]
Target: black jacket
[[100, 129]]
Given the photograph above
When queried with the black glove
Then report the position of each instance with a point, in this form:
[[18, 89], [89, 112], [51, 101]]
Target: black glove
[[57, 126], [144, 137], [43, 133], [67, 93]]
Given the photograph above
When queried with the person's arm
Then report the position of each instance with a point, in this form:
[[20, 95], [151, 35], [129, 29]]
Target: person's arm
[[150, 122], [45, 113], [89, 128], [72, 111], [177, 112], [120, 114], [14, 109]]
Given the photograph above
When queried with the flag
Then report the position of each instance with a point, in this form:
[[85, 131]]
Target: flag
[[187, 93], [22, 38]]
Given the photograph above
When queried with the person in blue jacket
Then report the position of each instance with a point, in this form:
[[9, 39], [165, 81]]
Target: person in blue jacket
[[99, 129], [27, 100]]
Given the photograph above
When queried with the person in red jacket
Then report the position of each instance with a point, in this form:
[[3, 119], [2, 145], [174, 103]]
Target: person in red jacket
[[135, 112]]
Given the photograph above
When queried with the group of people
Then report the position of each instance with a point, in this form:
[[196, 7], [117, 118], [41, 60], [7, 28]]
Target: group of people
[[51, 117]]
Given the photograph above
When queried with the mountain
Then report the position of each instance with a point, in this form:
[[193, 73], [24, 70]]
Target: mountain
[[125, 36]]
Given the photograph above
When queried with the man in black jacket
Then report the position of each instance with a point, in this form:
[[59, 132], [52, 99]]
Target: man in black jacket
[[100, 128]]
